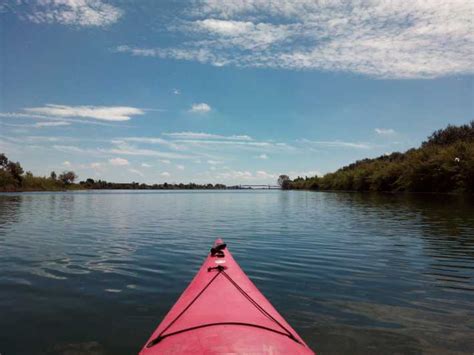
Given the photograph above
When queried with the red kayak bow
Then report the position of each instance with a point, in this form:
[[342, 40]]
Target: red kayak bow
[[222, 312]]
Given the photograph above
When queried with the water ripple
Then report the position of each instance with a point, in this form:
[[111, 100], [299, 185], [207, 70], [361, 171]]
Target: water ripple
[[390, 271]]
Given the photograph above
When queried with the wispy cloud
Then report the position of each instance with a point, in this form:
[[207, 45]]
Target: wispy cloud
[[48, 139], [23, 115], [70, 149], [131, 150], [200, 108], [80, 13], [51, 124], [202, 141], [105, 113], [146, 165], [335, 144], [217, 142], [234, 175], [245, 176], [258, 177], [148, 140], [383, 38], [262, 156], [202, 135], [385, 131], [118, 162], [28, 115], [39, 124], [262, 174], [165, 174], [136, 171]]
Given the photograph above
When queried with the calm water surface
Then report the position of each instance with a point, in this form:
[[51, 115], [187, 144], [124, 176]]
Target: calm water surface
[[94, 272]]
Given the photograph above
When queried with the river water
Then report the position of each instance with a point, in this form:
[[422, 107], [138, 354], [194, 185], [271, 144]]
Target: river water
[[94, 272]]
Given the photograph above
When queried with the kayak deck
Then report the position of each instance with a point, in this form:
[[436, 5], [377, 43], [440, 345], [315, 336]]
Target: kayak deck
[[222, 311]]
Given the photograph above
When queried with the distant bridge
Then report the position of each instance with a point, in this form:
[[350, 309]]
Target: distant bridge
[[260, 187]]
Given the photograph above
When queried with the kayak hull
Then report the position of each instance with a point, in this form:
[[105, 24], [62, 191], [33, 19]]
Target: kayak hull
[[223, 312]]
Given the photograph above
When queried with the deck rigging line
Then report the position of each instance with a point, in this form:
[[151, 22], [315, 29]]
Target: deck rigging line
[[221, 270]]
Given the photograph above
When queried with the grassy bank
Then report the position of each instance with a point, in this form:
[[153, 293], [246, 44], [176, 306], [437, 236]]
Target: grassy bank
[[14, 179], [443, 163]]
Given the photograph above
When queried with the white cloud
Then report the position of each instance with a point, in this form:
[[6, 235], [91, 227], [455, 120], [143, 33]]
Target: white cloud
[[165, 161], [96, 165], [105, 113], [148, 140], [243, 35], [263, 156], [335, 144], [67, 163], [51, 124], [82, 13], [235, 175], [36, 125], [223, 27], [232, 143], [176, 92], [146, 165], [180, 167], [135, 171], [200, 108], [385, 131], [379, 38], [258, 177], [261, 174], [118, 162], [214, 162], [231, 176], [206, 142], [125, 149], [70, 149], [165, 174], [24, 115], [202, 135]]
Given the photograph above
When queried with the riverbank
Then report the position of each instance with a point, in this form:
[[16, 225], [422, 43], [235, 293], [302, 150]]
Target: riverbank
[[46, 184], [442, 164], [14, 179]]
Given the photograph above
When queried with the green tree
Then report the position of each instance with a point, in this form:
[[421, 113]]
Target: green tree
[[444, 163], [68, 177], [284, 181], [3, 161], [15, 170]]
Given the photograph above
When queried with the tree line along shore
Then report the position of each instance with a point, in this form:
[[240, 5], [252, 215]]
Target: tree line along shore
[[14, 179], [444, 163]]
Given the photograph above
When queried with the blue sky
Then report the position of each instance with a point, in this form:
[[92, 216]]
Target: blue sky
[[227, 91]]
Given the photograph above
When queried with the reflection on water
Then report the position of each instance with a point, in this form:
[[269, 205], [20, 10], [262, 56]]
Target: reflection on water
[[94, 272]]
